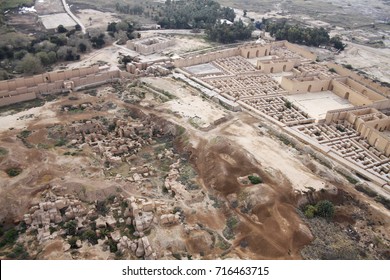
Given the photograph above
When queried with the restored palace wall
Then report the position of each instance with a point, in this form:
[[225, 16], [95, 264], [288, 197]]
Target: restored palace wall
[[301, 85], [366, 82], [205, 58], [357, 94], [275, 66]]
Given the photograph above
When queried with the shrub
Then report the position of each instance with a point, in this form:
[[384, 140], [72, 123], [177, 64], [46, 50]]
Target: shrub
[[9, 237], [113, 246], [72, 242], [366, 190], [101, 208], [71, 227], [14, 171], [60, 142], [255, 179], [310, 211], [91, 236], [61, 29], [18, 252], [25, 133], [325, 209]]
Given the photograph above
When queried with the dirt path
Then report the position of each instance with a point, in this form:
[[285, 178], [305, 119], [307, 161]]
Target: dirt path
[[69, 12]]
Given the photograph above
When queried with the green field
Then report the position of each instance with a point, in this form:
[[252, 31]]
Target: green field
[[10, 4]]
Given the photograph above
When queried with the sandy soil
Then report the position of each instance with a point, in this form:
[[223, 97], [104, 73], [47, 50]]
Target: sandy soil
[[99, 20], [273, 156], [20, 120], [189, 105], [267, 222], [373, 61]]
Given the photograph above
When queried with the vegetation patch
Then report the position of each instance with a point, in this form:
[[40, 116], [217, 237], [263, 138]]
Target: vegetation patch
[[9, 237], [255, 179], [364, 189], [231, 224], [281, 30], [11, 4], [14, 171], [3, 151], [323, 208]]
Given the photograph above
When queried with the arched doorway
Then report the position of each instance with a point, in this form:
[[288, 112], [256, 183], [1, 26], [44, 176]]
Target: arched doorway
[[266, 52], [347, 96], [309, 88], [272, 70], [247, 56], [284, 68], [257, 53]]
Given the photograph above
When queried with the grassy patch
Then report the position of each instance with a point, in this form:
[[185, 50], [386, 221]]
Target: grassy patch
[[18, 253], [187, 176], [11, 4], [3, 151], [9, 237], [366, 190], [22, 106], [384, 201], [60, 142], [217, 202], [222, 244], [24, 134], [231, 224]]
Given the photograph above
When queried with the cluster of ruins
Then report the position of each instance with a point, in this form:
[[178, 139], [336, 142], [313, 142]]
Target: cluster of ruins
[[116, 142], [150, 45], [50, 216], [262, 78]]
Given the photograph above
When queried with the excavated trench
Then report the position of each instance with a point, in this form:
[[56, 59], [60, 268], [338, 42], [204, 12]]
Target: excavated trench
[[271, 228]]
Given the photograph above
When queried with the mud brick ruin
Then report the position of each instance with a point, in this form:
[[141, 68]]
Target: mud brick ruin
[[337, 111]]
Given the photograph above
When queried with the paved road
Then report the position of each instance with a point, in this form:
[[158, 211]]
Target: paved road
[[69, 12]]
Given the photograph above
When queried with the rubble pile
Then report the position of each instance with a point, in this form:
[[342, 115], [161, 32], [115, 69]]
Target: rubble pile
[[117, 142]]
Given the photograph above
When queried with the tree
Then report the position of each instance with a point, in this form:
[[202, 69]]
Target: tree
[[77, 27], [43, 56], [337, 43], [98, 42], [325, 209], [224, 33], [310, 211], [30, 64], [111, 27], [82, 47], [52, 57], [61, 29]]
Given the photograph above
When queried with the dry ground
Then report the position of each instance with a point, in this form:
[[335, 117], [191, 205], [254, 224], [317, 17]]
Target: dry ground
[[235, 219]]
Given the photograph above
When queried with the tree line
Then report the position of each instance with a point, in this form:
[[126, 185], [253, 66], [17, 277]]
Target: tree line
[[193, 14], [281, 30], [33, 55], [229, 33]]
